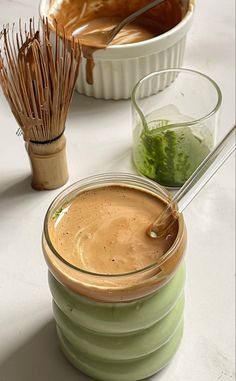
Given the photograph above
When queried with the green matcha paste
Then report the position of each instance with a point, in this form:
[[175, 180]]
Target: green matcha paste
[[169, 153]]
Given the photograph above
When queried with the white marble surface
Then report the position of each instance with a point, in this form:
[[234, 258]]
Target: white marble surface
[[99, 140]]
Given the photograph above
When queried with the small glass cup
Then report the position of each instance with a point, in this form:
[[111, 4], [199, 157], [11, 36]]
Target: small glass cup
[[175, 128]]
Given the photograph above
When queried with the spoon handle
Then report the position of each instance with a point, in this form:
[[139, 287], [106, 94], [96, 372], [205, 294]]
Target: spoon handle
[[132, 17], [194, 184]]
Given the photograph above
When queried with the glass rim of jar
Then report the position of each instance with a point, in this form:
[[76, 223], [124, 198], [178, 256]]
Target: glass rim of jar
[[134, 98], [103, 180]]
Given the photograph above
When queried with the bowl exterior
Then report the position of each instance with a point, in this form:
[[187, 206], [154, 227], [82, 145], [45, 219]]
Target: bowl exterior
[[115, 79], [118, 68]]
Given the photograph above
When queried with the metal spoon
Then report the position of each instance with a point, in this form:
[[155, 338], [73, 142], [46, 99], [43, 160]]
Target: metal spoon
[[193, 185], [104, 38]]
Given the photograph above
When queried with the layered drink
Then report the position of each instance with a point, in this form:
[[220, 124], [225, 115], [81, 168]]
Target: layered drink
[[117, 293]]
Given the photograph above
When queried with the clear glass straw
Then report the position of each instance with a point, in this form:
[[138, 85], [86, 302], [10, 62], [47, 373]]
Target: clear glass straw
[[194, 184]]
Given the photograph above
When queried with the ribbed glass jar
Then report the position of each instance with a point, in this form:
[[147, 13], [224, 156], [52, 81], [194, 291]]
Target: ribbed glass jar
[[117, 333]]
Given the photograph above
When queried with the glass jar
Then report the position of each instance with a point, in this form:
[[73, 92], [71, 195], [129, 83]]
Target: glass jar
[[106, 323], [175, 128]]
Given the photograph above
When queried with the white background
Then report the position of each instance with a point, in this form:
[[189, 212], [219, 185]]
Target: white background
[[99, 140]]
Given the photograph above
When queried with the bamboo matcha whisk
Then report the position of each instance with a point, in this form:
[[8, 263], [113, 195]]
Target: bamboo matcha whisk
[[37, 77]]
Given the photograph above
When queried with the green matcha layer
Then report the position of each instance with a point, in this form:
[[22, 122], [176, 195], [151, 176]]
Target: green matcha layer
[[127, 371], [120, 341], [169, 153], [120, 348]]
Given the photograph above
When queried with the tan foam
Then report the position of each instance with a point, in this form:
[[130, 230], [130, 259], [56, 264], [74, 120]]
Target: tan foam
[[104, 231], [99, 15]]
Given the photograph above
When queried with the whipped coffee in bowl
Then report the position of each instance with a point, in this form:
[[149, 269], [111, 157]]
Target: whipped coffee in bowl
[[145, 37], [109, 279], [79, 17]]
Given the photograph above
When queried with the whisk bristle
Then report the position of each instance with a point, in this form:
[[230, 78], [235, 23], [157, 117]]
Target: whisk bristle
[[38, 78]]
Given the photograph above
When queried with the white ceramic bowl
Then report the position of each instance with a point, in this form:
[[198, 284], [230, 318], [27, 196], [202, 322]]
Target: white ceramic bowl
[[119, 67]]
